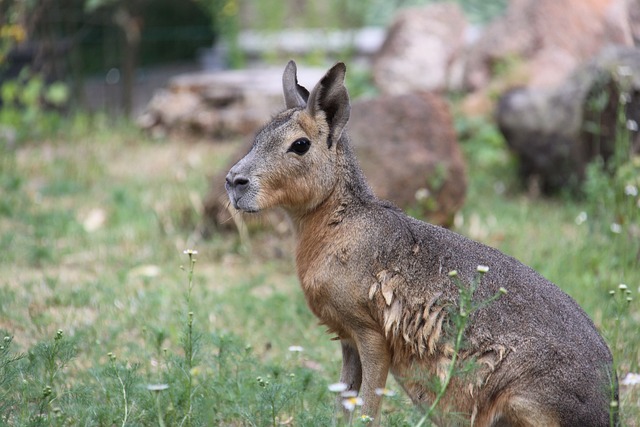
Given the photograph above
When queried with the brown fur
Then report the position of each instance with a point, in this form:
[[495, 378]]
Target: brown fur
[[378, 280]]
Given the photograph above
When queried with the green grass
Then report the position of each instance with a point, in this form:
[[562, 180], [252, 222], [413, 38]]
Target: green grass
[[93, 227]]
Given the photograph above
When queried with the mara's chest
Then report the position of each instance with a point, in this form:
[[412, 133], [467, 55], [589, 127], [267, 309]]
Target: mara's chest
[[333, 284]]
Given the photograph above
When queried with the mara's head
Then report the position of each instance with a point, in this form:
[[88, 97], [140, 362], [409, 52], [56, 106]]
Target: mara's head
[[294, 158]]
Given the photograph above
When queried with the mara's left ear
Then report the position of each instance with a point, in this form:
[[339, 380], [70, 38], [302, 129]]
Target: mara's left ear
[[331, 96], [295, 96]]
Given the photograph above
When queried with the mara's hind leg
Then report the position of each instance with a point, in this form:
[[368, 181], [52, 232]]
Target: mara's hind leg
[[514, 411]]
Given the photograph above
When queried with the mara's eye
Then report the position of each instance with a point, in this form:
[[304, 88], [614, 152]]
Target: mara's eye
[[300, 146]]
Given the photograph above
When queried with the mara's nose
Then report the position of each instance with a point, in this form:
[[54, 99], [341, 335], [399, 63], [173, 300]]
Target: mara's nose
[[237, 181]]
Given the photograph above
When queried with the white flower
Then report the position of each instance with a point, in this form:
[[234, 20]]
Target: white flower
[[632, 125], [349, 393], [625, 98], [631, 190], [581, 218], [365, 419], [482, 269], [422, 194], [624, 71], [338, 387], [157, 387], [616, 228], [190, 252], [351, 403], [296, 349], [385, 392], [622, 287], [631, 379]]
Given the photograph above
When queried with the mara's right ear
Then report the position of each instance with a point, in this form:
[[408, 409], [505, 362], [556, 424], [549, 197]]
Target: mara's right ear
[[331, 96], [295, 96]]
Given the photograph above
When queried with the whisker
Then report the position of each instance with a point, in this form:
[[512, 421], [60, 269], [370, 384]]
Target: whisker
[[241, 225]]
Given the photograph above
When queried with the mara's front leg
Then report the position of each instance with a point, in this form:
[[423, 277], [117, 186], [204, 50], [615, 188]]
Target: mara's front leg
[[375, 360], [351, 374]]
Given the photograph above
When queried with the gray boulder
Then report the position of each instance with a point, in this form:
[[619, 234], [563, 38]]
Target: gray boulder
[[555, 133]]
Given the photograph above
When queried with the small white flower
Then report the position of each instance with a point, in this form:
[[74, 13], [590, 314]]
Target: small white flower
[[349, 394], [422, 194], [157, 387], [622, 287], [190, 252], [296, 349], [631, 379], [581, 218], [482, 269], [624, 71], [616, 228], [385, 392], [338, 387], [365, 419], [631, 190], [632, 125], [625, 98], [351, 403]]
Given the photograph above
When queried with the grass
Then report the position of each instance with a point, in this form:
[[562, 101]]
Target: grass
[[95, 306]]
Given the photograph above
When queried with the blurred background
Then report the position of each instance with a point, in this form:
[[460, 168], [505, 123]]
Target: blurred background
[[512, 122], [109, 54]]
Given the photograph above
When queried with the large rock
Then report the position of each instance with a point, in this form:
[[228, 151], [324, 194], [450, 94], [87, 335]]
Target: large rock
[[419, 48], [548, 38], [219, 104], [409, 153], [556, 132]]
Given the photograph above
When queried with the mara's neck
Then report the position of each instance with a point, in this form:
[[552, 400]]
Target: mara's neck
[[351, 190]]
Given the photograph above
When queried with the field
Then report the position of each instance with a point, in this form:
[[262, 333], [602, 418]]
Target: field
[[109, 317]]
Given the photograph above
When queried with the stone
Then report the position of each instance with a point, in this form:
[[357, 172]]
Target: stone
[[556, 132], [409, 152], [218, 104], [548, 38], [419, 48]]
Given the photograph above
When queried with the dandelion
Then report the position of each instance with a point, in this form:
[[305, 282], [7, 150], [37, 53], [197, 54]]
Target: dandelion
[[631, 190], [631, 379], [351, 403], [581, 218], [482, 269], [616, 228], [338, 387], [385, 392], [296, 349]]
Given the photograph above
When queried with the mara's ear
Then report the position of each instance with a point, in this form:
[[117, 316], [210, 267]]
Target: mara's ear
[[330, 95], [294, 95]]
